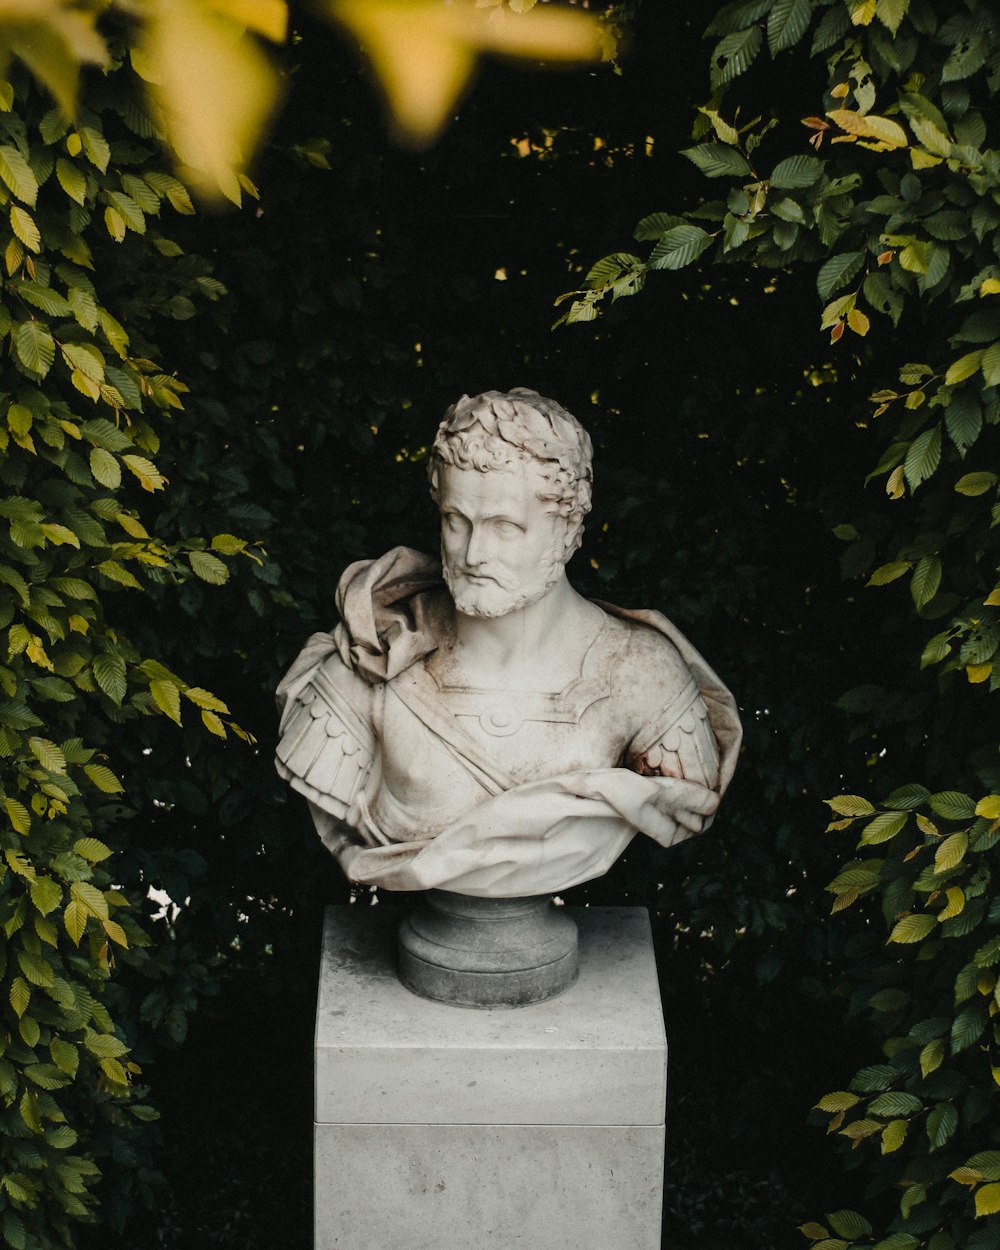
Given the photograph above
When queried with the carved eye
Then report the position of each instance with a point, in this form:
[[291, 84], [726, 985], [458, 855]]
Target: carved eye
[[508, 529]]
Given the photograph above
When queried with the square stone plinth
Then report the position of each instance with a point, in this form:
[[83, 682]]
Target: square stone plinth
[[442, 1128]]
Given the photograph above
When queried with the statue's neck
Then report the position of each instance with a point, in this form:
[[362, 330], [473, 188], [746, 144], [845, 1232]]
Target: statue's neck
[[527, 647]]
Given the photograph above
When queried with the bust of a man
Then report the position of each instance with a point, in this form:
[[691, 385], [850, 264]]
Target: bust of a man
[[478, 725]]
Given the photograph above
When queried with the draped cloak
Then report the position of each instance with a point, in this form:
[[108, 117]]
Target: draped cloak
[[538, 837]]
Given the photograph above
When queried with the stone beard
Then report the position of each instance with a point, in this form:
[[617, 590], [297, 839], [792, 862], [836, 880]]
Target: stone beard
[[480, 727]]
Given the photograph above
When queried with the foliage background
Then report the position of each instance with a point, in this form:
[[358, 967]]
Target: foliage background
[[360, 299]]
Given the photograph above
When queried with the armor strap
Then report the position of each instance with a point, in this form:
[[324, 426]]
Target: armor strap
[[415, 691]]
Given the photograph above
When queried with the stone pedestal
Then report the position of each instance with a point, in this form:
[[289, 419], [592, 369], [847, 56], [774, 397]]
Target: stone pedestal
[[441, 1128], [487, 952]]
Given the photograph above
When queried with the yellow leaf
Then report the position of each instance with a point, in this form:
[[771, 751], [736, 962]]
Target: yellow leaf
[[894, 487], [53, 40], [989, 807], [893, 1136], [868, 126], [858, 322], [988, 1199], [214, 86], [923, 160], [115, 223], [964, 367], [992, 600], [990, 286], [955, 904], [977, 673], [951, 851], [167, 697], [265, 17], [213, 723], [424, 52], [115, 932], [862, 11], [75, 920]]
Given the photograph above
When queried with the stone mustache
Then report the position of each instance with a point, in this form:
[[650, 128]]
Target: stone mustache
[[476, 725]]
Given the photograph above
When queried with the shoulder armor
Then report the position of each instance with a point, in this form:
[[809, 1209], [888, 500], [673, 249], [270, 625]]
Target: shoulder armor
[[683, 744], [326, 748]]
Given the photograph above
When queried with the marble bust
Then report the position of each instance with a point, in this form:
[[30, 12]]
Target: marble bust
[[476, 725]]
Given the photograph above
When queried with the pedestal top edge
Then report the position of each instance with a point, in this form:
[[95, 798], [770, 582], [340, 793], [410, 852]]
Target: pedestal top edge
[[613, 1006]]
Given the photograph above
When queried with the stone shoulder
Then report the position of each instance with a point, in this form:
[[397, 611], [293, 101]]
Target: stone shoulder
[[648, 675]]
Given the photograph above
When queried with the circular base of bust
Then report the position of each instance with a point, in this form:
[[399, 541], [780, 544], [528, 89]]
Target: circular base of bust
[[487, 952]]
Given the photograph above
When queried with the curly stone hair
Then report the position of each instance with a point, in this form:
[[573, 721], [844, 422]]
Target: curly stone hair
[[498, 428]]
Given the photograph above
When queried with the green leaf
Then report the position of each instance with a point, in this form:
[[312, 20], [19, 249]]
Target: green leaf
[[912, 928], [923, 457], [37, 971], [72, 180], [850, 1223], [208, 567], [91, 849], [976, 483], [148, 474], [90, 899], [106, 781], [907, 797], [734, 55], [43, 297], [963, 418], [986, 1163], [953, 805], [167, 697], [19, 996], [47, 754], [105, 468], [717, 160], [787, 23], [931, 1056], [991, 365], [837, 272], [18, 815], [64, 1055], [926, 580], [941, 1124], [883, 828], [654, 225], [23, 225], [968, 1027], [17, 174], [850, 805], [890, 1104], [797, 171], [46, 894], [679, 247], [35, 346], [110, 675], [95, 147]]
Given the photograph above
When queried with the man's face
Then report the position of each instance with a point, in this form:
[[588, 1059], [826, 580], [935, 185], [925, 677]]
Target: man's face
[[501, 546]]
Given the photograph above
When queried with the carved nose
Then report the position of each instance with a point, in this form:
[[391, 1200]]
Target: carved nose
[[475, 553]]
